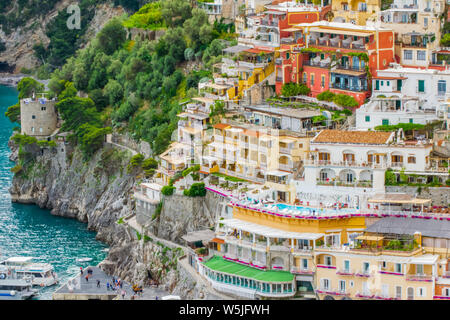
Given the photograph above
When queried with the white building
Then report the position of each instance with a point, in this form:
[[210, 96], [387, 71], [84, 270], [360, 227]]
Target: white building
[[417, 25], [405, 95], [349, 166]]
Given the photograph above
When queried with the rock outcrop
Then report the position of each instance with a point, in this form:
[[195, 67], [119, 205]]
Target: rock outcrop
[[99, 193]]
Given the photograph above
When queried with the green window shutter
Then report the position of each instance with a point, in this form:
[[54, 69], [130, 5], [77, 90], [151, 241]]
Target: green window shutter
[[421, 85], [377, 84], [367, 118], [385, 122], [411, 120]]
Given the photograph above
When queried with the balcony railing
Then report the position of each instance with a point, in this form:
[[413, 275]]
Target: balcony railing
[[363, 273], [350, 67], [369, 165], [348, 87], [419, 277], [319, 64], [345, 272], [300, 270]]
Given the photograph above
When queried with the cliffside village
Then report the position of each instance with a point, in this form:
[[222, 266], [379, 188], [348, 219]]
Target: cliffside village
[[316, 204]]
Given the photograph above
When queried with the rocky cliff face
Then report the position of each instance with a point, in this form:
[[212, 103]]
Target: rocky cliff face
[[19, 43], [99, 193]]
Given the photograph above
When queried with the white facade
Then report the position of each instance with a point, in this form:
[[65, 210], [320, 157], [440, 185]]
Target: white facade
[[405, 95], [357, 170]]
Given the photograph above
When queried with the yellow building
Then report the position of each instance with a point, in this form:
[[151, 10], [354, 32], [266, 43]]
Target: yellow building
[[390, 262], [354, 11], [266, 156]]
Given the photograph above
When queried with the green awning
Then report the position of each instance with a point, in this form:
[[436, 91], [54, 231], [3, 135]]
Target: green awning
[[219, 264]]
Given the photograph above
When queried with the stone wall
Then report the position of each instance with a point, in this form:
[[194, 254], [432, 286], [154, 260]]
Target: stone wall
[[440, 196], [181, 214], [142, 147], [36, 119]]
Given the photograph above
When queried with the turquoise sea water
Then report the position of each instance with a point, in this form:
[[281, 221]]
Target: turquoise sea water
[[27, 230]]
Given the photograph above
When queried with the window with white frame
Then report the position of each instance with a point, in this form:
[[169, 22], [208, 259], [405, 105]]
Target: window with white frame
[[342, 285], [304, 264], [328, 260], [421, 55], [347, 265], [383, 264], [446, 292], [398, 292], [385, 290], [352, 284], [325, 284], [419, 269], [366, 267], [421, 292], [407, 55], [398, 267]]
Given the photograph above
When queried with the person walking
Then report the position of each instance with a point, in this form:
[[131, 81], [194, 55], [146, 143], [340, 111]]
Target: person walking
[[121, 284], [87, 278], [107, 285], [123, 294], [98, 283], [81, 270]]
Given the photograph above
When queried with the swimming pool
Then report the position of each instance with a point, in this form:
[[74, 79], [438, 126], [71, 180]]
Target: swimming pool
[[282, 206]]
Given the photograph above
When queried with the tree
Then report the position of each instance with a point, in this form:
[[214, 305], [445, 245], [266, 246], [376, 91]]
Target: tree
[[77, 111], [100, 100], [445, 41], [197, 29], [27, 86], [175, 12], [112, 36], [114, 91], [68, 92], [91, 138]]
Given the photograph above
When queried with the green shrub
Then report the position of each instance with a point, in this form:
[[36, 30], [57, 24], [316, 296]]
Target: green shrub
[[196, 190], [149, 163], [135, 161], [13, 113], [325, 96], [294, 89], [168, 190], [390, 178], [345, 101]]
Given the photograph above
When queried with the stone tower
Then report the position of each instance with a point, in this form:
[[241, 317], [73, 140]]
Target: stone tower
[[38, 117]]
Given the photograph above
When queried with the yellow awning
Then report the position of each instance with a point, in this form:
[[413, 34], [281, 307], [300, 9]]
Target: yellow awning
[[399, 201], [369, 238]]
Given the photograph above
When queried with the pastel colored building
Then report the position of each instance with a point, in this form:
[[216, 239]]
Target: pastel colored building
[[339, 57], [418, 29], [405, 95], [354, 11], [351, 165], [268, 28], [265, 156]]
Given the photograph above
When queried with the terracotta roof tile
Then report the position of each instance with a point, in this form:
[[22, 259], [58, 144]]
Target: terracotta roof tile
[[366, 137], [221, 126]]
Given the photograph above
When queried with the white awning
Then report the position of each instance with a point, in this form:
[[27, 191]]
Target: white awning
[[425, 259], [267, 231], [277, 173]]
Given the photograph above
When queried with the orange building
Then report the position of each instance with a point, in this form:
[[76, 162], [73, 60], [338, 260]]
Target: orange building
[[339, 57]]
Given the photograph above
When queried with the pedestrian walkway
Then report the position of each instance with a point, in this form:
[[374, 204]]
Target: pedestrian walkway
[[78, 288]]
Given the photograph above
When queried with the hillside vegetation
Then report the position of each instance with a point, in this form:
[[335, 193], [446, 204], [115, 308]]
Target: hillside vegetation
[[136, 86]]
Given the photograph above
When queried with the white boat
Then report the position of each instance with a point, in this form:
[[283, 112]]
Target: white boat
[[41, 274], [14, 289], [171, 297], [84, 259]]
